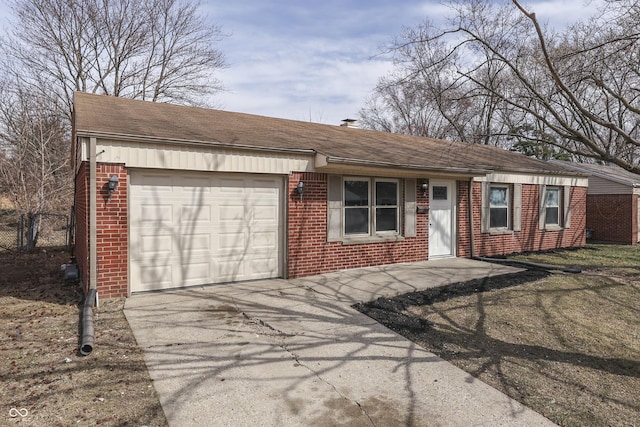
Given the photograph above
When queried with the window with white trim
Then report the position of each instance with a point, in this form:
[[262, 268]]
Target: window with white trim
[[386, 206], [555, 207], [552, 206], [370, 206], [356, 206], [499, 207]]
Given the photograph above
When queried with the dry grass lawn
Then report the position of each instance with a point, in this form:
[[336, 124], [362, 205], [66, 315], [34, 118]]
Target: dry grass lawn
[[44, 380], [566, 345]]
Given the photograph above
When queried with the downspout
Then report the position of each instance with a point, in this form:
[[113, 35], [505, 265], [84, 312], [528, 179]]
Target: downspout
[[471, 232], [93, 221], [86, 344]]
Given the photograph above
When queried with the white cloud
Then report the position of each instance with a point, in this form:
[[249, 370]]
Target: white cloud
[[560, 13], [304, 75], [305, 87], [313, 60]]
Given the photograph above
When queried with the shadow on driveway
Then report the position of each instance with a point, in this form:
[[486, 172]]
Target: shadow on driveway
[[295, 353]]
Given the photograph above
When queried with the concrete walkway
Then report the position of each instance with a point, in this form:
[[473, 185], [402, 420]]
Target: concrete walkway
[[294, 353]]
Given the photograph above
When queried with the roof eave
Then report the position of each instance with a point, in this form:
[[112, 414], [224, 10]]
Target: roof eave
[[333, 162], [543, 172], [603, 175], [177, 141]]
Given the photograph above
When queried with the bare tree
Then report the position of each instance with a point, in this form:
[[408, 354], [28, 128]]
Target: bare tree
[[34, 152], [575, 89], [426, 95], [158, 50]]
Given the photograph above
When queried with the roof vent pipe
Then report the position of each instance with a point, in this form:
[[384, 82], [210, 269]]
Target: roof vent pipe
[[350, 123]]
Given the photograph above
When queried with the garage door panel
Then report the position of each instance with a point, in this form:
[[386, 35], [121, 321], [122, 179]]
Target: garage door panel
[[150, 245], [154, 276], [257, 267], [265, 213], [194, 273], [232, 243], [203, 228], [228, 270], [156, 213], [196, 213], [195, 243], [231, 211], [260, 267], [263, 240]]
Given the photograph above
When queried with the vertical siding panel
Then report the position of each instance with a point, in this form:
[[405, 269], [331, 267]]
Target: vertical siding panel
[[517, 207], [334, 208], [566, 200], [541, 211], [410, 208], [485, 219]]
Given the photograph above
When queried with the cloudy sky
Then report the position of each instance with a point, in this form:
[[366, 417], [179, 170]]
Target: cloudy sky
[[318, 60]]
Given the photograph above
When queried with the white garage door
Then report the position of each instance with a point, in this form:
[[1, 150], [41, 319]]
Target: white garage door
[[190, 229]]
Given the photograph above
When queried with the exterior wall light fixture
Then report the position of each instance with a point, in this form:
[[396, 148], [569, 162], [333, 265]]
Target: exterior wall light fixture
[[112, 184], [300, 189], [425, 187]]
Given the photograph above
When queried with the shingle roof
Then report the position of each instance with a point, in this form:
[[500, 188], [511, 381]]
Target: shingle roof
[[110, 116], [609, 172]]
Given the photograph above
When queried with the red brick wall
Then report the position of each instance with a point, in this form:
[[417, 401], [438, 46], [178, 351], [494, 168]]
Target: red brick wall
[[462, 219], [111, 217], [112, 235], [530, 238], [309, 252], [613, 217], [81, 241]]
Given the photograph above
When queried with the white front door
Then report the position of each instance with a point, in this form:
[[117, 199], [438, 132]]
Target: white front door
[[442, 234]]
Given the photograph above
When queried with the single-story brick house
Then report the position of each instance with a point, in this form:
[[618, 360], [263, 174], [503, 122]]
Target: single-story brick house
[[613, 214], [170, 196]]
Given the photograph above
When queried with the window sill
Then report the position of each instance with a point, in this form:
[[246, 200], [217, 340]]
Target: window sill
[[553, 228], [500, 232], [358, 240]]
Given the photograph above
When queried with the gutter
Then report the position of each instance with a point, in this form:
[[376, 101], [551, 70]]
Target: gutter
[[324, 161], [160, 140], [93, 221]]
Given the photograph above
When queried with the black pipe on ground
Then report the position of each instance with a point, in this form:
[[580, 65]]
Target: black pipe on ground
[[547, 267], [86, 344]]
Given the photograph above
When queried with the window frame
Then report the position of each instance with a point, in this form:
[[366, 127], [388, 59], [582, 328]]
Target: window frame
[[346, 208], [508, 207], [557, 206], [372, 207], [374, 202]]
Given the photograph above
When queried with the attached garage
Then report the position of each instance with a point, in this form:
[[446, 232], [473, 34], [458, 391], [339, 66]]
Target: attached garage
[[198, 228]]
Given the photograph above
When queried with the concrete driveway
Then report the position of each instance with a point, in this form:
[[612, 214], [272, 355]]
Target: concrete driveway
[[294, 353]]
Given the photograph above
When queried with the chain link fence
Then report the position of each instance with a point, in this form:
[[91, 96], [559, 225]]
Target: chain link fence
[[43, 230]]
